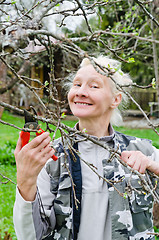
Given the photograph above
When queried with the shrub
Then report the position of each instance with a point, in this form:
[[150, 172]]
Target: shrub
[[6, 237], [7, 153]]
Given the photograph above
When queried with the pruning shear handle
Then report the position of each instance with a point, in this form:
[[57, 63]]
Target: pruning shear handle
[[25, 136], [32, 123]]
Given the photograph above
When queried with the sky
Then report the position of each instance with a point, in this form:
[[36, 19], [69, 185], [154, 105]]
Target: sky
[[51, 22], [70, 22]]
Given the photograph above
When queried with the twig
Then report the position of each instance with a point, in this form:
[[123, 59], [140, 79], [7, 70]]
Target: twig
[[96, 34], [8, 179], [84, 14], [147, 13], [26, 84], [70, 175], [21, 129], [92, 167]]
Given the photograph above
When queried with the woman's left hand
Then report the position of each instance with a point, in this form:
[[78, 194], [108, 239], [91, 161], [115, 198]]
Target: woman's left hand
[[138, 161]]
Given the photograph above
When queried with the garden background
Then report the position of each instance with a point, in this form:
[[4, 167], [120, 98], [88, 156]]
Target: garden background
[[43, 42]]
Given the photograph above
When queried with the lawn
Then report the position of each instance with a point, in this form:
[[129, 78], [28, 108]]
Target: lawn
[[8, 133], [141, 133], [7, 191], [7, 198]]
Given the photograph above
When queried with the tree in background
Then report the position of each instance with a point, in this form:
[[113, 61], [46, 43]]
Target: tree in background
[[124, 30]]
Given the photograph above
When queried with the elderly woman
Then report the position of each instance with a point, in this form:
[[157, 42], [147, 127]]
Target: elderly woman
[[86, 204]]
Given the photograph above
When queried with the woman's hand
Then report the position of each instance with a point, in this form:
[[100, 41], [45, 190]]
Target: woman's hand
[[138, 161], [30, 160]]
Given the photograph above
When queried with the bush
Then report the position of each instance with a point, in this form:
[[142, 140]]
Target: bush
[[7, 153], [6, 237]]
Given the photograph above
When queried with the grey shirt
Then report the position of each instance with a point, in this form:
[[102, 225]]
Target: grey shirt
[[95, 215]]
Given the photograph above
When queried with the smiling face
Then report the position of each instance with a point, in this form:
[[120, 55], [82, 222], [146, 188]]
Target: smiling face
[[91, 96]]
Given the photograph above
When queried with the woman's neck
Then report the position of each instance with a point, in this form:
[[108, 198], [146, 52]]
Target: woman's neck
[[93, 128]]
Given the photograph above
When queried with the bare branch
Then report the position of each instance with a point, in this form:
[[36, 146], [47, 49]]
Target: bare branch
[[14, 80], [96, 35], [6, 178], [84, 14], [147, 12]]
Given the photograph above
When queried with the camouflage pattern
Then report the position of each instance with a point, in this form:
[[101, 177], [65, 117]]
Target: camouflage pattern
[[60, 185], [131, 216]]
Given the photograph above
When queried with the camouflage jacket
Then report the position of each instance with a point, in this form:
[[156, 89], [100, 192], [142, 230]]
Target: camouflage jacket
[[131, 216]]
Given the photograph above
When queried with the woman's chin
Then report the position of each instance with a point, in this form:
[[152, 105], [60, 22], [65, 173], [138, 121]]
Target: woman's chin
[[83, 117]]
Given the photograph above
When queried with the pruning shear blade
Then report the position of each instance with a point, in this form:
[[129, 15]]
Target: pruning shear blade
[[32, 124]]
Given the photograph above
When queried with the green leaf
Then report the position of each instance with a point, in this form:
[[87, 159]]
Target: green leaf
[[153, 83], [131, 60], [121, 73], [117, 69], [125, 195], [84, 130], [46, 83], [63, 115], [13, 2], [39, 131], [8, 18]]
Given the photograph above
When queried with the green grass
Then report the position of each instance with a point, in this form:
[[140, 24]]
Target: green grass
[[8, 133], [141, 133], [12, 134], [7, 191], [7, 198]]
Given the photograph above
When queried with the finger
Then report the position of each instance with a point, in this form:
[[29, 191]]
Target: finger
[[131, 161], [38, 140], [47, 149], [44, 143], [137, 164], [45, 156], [142, 169], [49, 154], [144, 164], [129, 158], [18, 146], [126, 155]]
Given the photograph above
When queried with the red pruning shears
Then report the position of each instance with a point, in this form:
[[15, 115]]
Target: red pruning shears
[[31, 123]]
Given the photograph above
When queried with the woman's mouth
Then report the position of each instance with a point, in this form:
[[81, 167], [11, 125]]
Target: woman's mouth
[[83, 103]]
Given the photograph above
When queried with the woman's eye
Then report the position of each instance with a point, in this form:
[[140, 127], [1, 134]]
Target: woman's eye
[[77, 84], [94, 86]]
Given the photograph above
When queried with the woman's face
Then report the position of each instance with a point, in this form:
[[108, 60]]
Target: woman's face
[[90, 96]]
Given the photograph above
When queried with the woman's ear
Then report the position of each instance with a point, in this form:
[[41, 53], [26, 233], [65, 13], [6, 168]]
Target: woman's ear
[[116, 100]]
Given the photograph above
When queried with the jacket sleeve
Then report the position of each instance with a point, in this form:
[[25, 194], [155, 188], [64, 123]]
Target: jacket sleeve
[[155, 155], [33, 220]]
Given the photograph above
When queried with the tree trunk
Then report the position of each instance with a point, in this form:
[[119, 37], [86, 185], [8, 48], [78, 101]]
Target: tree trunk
[[156, 205], [3, 75], [155, 60]]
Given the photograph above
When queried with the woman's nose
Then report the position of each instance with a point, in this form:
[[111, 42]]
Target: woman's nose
[[82, 92]]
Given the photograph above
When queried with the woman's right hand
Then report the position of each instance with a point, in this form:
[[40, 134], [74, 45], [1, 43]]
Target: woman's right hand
[[30, 160]]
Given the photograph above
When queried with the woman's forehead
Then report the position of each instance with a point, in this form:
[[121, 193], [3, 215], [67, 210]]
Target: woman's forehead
[[90, 72]]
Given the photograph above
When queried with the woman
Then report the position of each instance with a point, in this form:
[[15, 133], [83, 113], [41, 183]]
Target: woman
[[94, 209]]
